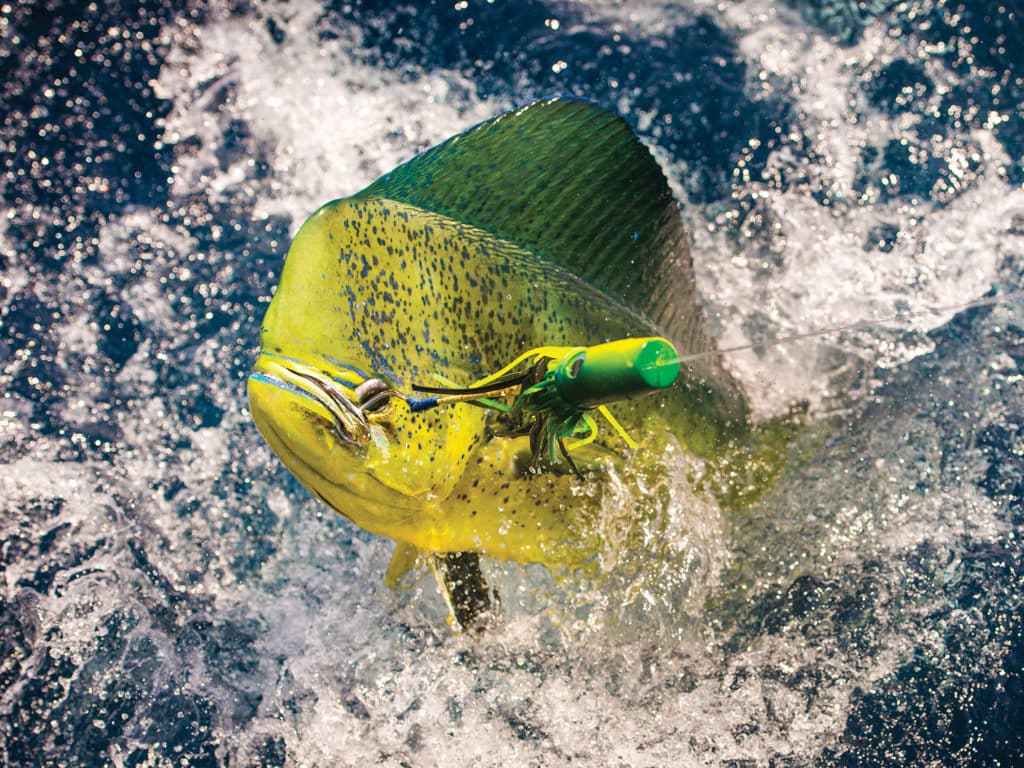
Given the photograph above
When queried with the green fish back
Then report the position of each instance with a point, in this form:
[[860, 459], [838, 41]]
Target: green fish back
[[571, 183]]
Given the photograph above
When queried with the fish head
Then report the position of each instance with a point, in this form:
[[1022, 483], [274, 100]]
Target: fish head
[[324, 398]]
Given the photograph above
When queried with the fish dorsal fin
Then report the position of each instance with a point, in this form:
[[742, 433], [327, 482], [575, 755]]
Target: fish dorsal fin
[[569, 182]]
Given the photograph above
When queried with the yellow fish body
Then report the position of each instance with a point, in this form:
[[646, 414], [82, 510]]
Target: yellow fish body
[[551, 225]]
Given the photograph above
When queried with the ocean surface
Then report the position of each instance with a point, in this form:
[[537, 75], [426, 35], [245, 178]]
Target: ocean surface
[[171, 596]]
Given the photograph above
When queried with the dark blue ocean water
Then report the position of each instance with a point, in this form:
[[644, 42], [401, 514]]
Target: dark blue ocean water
[[171, 596]]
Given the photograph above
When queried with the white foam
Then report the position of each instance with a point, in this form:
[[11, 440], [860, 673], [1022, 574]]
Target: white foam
[[328, 124], [816, 273]]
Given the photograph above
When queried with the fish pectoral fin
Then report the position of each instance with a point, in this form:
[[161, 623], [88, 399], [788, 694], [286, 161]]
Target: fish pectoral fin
[[402, 561], [463, 588]]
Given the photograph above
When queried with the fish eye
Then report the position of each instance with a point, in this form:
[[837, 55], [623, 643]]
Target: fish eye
[[576, 365], [373, 395]]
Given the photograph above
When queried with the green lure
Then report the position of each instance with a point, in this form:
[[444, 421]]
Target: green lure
[[562, 383]]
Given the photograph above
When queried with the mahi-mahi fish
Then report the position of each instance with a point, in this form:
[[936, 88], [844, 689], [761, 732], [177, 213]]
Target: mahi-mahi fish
[[548, 225]]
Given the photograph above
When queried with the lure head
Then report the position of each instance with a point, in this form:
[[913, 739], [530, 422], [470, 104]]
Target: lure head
[[617, 370]]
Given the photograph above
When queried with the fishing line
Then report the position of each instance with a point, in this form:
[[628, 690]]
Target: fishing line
[[987, 301]]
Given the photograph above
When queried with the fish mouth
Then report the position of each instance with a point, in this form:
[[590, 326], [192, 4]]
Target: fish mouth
[[338, 447], [348, 419]]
